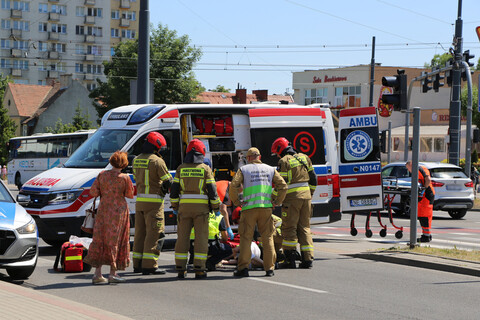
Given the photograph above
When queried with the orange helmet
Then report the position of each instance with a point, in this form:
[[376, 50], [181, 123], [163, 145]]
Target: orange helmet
[[279, 145], [196, 145], [156, 139]]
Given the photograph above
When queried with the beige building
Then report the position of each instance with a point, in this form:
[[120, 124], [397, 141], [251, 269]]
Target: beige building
[[42, 39]]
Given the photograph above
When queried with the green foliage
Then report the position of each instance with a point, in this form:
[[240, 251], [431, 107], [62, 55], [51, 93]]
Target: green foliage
[[438, 60], [171, 62], [7, 126], [474, 157], [220, 88], [80, 122], [464, 101]]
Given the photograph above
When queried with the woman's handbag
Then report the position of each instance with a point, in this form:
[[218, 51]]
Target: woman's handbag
[[89, 221]]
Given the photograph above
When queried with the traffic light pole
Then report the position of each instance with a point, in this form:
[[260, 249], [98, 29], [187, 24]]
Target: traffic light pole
[[414, 184], [143, 60], [468, 144]]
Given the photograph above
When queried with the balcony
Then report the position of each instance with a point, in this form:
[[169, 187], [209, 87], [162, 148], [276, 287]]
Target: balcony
[[89, 57], [88, 76], [89, 20], [52, 74], [89, 39], [53, 16], [17, 72], [125, 4], [16, 53], [16, 33], [53, 55], [53, 36], [16, 14], [89, 2], [124, 23]]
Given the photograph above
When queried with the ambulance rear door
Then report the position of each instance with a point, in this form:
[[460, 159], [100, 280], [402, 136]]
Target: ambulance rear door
[[359, 163]]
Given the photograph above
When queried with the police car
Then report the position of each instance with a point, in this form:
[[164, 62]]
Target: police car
[[18, 237]]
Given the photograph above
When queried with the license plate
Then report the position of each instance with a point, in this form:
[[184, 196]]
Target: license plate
[[363, 202], [454, 187]]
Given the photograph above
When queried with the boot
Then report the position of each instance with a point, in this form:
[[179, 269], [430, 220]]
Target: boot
[[289, 262], [241, 273], [424, 238], [147, 271], [200, 274], [305, 264]]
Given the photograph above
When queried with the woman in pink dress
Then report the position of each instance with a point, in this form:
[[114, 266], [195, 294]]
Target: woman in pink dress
[[111, 233]]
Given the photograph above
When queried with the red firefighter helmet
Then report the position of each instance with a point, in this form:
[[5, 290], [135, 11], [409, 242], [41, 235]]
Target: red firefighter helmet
[[279, 145], [197, 145], [156, 139]]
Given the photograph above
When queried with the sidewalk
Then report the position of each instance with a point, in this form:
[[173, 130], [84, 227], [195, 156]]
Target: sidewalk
[[14, 298]]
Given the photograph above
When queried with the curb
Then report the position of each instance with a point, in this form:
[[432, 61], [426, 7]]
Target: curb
[[423, 261]]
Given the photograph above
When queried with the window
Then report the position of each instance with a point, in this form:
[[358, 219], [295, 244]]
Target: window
[[22, 45], [79, 30], [94, 31], [398, 144], [80, 11], [262, 138], [316, 96], [5, 44], [5, 24], [91, 86], [93, 68], [5, 4], [115, 14], [59, 28], [79, 67], [79, 49], [21, 5], [21, 25], [426, 144], [42, 7], [42, 27], [438, 145], [94, 12], [129, 34], [129, 15], [60, 9], [348, 97], [114, 33], [20, 64], [5, 63], [96, 50], [58, 47], [42, 46]]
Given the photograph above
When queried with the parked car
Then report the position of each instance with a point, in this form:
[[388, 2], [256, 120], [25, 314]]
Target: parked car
[[18, 237], [453, 189]]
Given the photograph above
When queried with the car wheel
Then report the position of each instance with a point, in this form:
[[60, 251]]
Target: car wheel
[[457, 214], [20, 273]]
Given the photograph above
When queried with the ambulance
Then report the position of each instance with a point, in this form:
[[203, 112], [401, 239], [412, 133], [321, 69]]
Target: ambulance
[[58, 198]]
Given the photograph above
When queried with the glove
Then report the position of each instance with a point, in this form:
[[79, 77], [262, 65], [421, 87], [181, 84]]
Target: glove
[[217, 214], [230, 233], [175, 212]]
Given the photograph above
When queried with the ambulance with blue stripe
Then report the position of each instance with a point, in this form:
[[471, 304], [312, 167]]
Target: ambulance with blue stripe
[[58, 198]]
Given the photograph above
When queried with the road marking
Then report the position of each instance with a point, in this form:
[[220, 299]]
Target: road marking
[[288, 285]]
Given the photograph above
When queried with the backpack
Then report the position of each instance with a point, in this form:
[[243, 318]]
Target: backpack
[[71, 258]]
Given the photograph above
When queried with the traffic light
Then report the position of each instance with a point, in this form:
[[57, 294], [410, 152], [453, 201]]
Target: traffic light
[[425, 83], [448, 73], [436, 82], [476, 135], [399, 96], [383, 141], [466, 57]]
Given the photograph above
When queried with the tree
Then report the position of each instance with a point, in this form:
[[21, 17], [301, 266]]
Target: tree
[[7, 125], [438, 60], [464, 101], [171, 63], [220, 88], [80, 122]]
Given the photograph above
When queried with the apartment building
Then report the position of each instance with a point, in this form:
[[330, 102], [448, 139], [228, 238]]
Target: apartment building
[[43, 39]]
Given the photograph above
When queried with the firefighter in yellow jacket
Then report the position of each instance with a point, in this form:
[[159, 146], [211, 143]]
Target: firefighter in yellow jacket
[[192, 196], [296, 169], [153, 181]]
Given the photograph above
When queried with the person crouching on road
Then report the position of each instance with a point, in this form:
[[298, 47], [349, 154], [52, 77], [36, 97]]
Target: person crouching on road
[[192, 194], [255, 178], [153, 181], [425, 203], [296, 169]]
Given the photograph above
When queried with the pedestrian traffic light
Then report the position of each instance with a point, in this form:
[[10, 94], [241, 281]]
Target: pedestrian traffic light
[[399, 96], [448, 73], [466, 57], [383, 141], [425, 83], [476, 135], [436, 82]]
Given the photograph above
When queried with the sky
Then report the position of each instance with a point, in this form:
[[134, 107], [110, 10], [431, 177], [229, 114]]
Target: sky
[[258, 44]]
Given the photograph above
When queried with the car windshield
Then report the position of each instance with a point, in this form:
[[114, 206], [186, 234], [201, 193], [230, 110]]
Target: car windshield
[[96, 151], [4, 194], [447, 173]]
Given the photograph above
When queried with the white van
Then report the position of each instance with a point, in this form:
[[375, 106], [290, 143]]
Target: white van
[[58, 198]]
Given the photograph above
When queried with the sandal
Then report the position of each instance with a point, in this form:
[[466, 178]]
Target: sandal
[[99, 280], [116, 279]]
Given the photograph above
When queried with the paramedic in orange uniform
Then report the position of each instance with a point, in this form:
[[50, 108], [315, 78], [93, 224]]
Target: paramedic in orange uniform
[[425, 203]]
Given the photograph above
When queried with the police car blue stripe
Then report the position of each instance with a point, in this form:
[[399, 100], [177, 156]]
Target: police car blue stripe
[[358, 168], [7, 214], [34, 189]]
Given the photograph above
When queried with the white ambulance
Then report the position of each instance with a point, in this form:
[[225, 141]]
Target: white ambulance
[[58, 198]]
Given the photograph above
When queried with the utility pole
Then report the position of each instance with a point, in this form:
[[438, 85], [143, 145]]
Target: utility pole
[[455, 104], [143, 62], [372, 72]]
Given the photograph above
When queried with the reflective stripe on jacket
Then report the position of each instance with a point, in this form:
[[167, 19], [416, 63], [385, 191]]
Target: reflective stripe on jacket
[[295, 170], [150, 172]]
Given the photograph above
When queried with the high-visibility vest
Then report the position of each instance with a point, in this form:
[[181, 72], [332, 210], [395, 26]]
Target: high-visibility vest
[[257, 185], [213, 227]]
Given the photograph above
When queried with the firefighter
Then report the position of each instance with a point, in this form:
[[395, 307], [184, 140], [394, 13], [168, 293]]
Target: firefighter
[[192, 195], [296, 169], [255, 178], [153, 181], [425, 202]]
